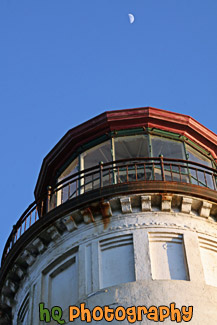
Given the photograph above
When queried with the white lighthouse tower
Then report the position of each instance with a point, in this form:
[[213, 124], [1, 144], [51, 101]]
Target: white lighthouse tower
[[123, 227]]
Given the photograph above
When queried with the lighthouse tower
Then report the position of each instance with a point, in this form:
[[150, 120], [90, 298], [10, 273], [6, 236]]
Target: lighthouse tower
[[125, 218]]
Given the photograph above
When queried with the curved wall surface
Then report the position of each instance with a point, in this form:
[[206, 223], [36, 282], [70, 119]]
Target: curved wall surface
[[137, 250]]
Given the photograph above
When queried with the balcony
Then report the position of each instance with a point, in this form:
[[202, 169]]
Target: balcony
[[118, 177]]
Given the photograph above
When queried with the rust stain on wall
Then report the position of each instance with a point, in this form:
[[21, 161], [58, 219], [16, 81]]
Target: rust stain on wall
[[106, 213], [87, 215]]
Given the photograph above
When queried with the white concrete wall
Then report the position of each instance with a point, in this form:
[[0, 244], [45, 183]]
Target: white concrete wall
[[138, 258]]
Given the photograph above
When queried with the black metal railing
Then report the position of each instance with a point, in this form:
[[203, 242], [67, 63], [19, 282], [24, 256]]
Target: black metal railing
[[110, 174]]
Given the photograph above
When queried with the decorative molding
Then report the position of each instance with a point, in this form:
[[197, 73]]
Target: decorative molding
[[70, 224], [53, 233], [166, 202], [186, 205], [146, 203], [116, 241], [205, 209], [208, 243], [38, 244], [28, 257], [151, 205], [126, 204]]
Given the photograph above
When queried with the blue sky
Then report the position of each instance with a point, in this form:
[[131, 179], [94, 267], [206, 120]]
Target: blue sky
[[65, 61]]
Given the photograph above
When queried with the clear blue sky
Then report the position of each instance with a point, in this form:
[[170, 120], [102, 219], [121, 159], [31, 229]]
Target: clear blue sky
[[65, 61]]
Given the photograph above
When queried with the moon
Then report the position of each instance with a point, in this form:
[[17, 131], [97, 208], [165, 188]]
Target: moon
[[131, 18]]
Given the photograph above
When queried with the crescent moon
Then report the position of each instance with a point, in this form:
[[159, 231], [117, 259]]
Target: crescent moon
[[131, 18]]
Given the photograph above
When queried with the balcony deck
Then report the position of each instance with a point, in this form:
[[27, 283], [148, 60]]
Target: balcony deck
[[110, 179]]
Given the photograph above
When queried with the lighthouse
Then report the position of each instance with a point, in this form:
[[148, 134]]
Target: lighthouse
[[123, 227]]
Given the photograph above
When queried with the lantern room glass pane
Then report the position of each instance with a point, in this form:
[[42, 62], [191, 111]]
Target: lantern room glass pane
[[198, 157], [91, 158], [131, 147], [199, 175], [100, 153], [70, 170], [167, 147], [68, 189]]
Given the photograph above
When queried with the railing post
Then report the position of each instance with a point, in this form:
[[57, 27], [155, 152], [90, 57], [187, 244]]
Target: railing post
[[162, 167], [100, 174], [13, 235], [49, 188], [42, 209], [189, 172]]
